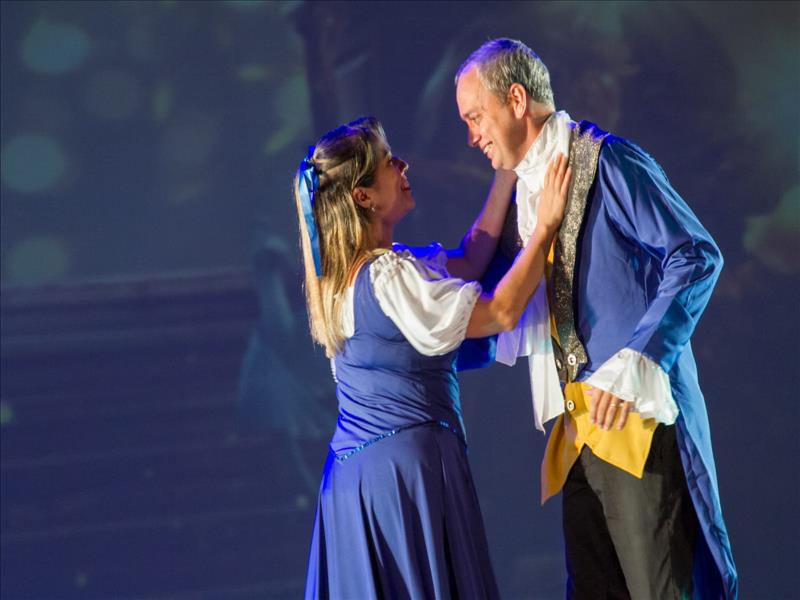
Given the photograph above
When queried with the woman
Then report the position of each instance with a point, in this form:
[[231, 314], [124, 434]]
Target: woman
[[398, 515]]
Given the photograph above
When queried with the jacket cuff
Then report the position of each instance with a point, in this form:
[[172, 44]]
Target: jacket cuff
[[633, 377]]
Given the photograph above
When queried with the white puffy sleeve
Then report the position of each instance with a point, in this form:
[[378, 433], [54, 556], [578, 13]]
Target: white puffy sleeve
[[428, 306], [633, 377], [434, 254]]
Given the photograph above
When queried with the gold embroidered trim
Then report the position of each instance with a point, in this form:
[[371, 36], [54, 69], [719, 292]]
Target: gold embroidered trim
[[583, 155]]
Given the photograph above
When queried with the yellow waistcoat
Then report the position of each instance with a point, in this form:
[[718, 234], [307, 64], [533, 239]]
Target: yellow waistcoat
[[626, 449]]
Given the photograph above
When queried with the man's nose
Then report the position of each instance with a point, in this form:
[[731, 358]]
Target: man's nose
[[472, 138]]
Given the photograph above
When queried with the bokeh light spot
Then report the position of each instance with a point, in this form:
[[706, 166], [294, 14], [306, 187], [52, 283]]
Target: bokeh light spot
[[31, 163], [253, 72], [162, 101], [6, 414], [188, 192], [37, 260], [291, 107], [81, 580], [245, 4], [773, 237], [54, 48], [190, 140], [140, 42], [113, 94], [288, 6], [279, 139]]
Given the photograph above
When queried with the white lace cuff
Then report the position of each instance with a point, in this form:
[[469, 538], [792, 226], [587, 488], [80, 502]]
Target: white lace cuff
[[633, 377]]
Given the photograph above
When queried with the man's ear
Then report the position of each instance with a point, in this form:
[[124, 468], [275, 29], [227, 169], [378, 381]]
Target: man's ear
[[518, 98], [362, 197]]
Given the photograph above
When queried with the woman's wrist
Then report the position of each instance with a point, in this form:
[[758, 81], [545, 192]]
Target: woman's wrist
[[545, 231]]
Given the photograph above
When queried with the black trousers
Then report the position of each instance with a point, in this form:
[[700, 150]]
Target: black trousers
[[628, 537]]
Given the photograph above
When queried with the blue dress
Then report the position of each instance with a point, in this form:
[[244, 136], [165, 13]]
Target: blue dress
[[397, 515]]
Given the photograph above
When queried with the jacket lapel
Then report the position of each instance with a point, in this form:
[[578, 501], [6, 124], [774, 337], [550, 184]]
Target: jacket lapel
[[585, 144]]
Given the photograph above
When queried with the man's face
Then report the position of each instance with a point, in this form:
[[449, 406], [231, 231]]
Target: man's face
[[491, 125]]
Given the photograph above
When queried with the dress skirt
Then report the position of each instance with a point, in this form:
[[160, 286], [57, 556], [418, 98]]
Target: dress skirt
[[400, 519]]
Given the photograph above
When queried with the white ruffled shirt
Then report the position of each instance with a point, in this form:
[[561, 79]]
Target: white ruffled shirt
[[629, 375], [414, 289]]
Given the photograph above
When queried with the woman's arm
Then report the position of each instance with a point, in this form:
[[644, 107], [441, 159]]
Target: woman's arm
[[470, 260], [502, 310]]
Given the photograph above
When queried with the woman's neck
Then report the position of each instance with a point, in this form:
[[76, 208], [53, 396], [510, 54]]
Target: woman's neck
[[382, 234]]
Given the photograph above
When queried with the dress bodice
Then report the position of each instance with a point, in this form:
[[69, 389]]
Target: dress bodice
[[383, 383]]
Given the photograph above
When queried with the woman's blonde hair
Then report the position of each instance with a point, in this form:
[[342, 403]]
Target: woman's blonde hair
[[344, 158]]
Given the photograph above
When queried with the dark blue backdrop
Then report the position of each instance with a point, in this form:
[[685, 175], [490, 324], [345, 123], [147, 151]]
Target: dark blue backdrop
[[149, 138]]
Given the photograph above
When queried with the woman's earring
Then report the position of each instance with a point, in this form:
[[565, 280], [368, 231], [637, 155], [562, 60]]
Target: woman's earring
[[372, 207]]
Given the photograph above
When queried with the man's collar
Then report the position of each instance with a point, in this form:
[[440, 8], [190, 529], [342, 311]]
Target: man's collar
[[539, 153]]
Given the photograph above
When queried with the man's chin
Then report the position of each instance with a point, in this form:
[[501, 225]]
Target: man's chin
[[497, 165]]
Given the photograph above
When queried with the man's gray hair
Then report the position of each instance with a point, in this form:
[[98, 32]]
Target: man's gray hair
[[503, 62]]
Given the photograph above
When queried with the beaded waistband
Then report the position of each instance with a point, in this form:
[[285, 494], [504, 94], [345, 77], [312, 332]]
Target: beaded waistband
[[383, 436]]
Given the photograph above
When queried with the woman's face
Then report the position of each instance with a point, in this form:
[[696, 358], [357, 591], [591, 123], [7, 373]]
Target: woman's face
[[390, 191]]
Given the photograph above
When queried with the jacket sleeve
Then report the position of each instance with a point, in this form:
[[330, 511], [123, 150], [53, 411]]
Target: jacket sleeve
[[651, 214]]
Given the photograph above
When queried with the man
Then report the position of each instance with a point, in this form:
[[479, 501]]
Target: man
[[608, 339]]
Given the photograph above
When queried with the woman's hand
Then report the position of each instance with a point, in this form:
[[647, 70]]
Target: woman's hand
[[501, 310], [553, 199]]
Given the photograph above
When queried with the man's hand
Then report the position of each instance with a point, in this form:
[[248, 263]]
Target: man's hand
[[605, 407]]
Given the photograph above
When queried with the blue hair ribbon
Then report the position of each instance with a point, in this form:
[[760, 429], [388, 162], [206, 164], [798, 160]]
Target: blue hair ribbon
[[309, 184]]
